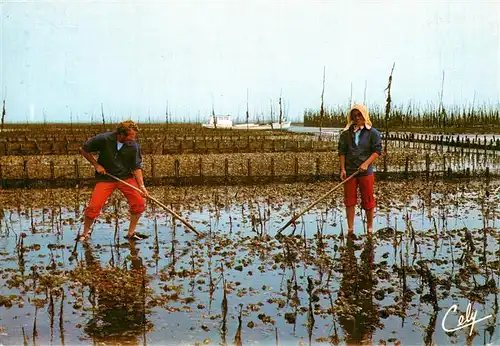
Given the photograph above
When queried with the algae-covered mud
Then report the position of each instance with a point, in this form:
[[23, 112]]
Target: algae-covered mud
[[431, 266]]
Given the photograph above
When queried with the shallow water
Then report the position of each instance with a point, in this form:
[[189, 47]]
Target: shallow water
[[316, 288]]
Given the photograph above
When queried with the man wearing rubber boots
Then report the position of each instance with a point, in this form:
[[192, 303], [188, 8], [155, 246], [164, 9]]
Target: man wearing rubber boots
[[360, 145], [120, 156]]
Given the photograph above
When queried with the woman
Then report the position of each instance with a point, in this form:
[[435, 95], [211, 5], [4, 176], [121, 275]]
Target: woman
[[360, 144]]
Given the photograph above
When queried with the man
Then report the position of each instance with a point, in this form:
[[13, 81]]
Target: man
[[360, 145], [119, 155]]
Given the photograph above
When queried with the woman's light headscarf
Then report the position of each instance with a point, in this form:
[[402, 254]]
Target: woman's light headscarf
[[364, 112]]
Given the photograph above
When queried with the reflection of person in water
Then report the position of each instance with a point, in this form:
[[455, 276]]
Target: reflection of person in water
[[358, 314], [120, 310], [135, 259]]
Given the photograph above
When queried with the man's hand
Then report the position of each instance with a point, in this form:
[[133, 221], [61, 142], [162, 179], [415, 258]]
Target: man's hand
[[99, 169], [144, 191], [363, 167], [343, 174]]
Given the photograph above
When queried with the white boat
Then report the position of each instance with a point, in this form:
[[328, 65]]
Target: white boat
[[284, 125], [254, 126], [225, 122], [245, 126], [219, 121]]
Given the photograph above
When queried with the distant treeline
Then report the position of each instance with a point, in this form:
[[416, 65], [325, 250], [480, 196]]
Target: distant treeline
[[485, 118]]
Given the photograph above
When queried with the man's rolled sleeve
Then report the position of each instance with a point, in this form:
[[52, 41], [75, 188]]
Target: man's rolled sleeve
[[138, 158], [93, 144]]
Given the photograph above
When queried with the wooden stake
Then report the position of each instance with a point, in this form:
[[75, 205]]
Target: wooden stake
[[388, 109]]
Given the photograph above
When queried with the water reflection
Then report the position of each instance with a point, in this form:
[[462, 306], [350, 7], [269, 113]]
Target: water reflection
[[118, 296], [103, 275], [358, 315]]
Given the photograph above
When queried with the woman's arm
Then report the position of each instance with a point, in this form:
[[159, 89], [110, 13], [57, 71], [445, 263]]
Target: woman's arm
[[376, 149], [343, 173], [368, 162]]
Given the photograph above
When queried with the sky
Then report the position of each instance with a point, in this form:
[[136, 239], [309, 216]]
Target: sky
[[64, 60]]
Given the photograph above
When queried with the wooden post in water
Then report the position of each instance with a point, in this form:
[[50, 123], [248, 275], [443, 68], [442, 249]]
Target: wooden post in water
[[388, 109], [177, 169], [249, 167], [25, 173], [427, 165], [226, 169], [272, 168], [25, 169], [77, 171], [406, 166], [153, 169], [52, 170], [296, 167]]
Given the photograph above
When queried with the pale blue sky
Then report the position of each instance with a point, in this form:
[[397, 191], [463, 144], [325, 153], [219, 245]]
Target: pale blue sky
[[134, 57]]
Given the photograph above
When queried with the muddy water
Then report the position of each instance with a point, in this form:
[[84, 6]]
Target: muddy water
[[436, 245]]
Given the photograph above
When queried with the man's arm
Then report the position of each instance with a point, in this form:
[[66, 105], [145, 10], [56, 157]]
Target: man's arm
[[140, 180], [137, 170], [90, 158], [139, 177]]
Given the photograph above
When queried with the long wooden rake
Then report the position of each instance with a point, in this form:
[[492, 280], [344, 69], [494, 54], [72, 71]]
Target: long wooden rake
[[326, 194], [174, 214]]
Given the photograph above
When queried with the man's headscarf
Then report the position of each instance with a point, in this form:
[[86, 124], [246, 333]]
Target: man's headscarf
[[128, 125]]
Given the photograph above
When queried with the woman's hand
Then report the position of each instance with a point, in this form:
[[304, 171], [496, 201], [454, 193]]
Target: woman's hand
[[364, 167]]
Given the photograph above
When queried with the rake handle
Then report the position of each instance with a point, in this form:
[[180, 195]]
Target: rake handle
[[187, 224], [316, 202]]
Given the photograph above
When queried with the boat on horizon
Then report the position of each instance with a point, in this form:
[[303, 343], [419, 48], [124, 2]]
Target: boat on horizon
[[225, 122]]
